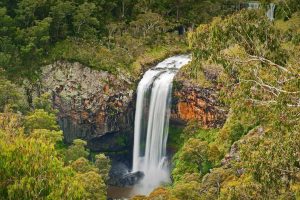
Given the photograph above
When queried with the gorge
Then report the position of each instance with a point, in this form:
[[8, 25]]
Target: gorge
[[149, 100], [100, 107]]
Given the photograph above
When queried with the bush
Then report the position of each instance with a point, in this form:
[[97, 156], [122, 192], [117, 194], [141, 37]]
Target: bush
[[40, 119], [76, 151]]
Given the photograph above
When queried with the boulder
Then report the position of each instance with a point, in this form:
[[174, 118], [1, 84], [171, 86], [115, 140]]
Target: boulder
[[121, 177]]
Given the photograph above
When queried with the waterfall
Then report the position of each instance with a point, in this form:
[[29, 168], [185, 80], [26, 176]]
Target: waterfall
[[270, 12], [152, 115]]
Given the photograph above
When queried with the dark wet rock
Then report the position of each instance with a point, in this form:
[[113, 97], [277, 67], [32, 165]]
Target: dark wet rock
[[111, 142], [120, 175], [131, 178]]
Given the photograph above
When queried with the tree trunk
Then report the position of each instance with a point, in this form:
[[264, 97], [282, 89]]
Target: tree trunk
[[177, 13], [123, 8]]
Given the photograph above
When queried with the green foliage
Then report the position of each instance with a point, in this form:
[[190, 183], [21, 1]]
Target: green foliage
[[11, 122], [187, 190], [82, 165], [40, 119], [32, 167], [260, 84], [192, 158], [34, 170], [121, 140], [237, 131], [198, 154], [90, 179], [153, 55], [60, 13], [44, 102], [272, 159], [76, 151], [10, 95], [174, 137], [92, 54], [93, 185], [127, 29], [148, 24], [250, 49], [103, 164], [47, 135], [6, 28], [258, 63], [285, 9], [270, 166], [85, 23], [160, 193], [194, 130]]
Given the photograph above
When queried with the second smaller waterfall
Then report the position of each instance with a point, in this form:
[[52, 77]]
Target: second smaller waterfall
[[270, 12]]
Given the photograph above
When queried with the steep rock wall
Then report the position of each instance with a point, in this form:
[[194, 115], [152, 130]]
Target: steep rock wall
[[193, 102], [91, 103]]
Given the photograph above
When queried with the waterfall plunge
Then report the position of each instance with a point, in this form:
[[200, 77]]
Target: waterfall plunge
[[270, 12], [152, 123]]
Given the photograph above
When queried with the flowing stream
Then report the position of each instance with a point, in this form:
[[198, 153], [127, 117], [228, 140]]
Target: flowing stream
[[152, 122]]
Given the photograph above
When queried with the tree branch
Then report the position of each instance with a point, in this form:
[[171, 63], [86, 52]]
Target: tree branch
[[262, 84], [264, 60], [262, 102]]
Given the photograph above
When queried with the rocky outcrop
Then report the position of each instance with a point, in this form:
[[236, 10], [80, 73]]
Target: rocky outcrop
[[99, 106], [198, 98], [91, 103], [192, 102]]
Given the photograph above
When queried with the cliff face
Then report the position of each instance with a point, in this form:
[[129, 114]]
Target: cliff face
[[193, 102], [99, 107], [91, 103]]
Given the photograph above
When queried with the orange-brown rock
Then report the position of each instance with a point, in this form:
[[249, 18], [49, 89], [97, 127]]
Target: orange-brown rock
[[106, 88], [84, 115], [192, 102], [100, 118]]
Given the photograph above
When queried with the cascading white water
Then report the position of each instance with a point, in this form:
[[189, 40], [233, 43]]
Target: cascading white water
[[152, 123], [270, 12]]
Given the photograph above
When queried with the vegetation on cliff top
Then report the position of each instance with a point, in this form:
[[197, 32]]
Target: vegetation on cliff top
[[108, 35]]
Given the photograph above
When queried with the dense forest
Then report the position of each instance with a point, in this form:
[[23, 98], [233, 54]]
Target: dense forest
[[93, 32], [255, 155]]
